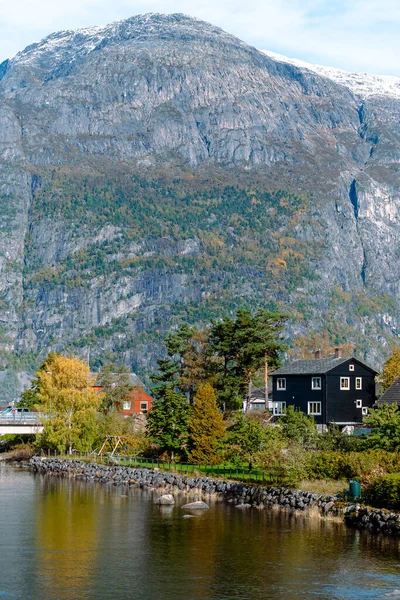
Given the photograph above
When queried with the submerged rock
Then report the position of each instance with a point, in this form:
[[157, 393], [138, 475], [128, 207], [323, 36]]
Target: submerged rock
[[198, 505]]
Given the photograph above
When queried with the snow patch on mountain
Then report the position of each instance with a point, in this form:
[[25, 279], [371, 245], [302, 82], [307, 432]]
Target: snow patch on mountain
[[361, 84]]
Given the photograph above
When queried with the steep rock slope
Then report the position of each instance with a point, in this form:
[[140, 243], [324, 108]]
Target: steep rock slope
[[160, 169]]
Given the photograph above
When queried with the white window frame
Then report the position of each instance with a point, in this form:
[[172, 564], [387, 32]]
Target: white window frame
[[365, 410], [351, 367], [142, 407], [126, 405], [281, 387], [358, 382], [319, 383], [358, 403], [278, 408], [314, 411], [344, 386]]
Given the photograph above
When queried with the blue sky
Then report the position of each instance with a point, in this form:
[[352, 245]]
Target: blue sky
[[355, 35]]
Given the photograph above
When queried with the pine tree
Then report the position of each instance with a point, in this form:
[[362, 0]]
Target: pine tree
[[167, 423], [206, 428]]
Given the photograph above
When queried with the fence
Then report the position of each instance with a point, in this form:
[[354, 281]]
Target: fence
[[271, 476]]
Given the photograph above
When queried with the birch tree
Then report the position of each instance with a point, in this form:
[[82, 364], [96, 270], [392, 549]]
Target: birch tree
[[69, 404]]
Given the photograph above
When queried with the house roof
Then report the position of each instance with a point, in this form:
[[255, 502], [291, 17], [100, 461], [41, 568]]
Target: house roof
[[314, 366], [134, 380], [392, 394]]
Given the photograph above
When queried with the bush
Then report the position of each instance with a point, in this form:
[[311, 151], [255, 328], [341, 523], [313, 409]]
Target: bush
[[383, 492], [347, 465]]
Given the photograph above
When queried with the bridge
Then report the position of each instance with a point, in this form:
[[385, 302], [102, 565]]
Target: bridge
[[17, 423]]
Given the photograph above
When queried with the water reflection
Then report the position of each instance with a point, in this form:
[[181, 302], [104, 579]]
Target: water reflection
[[67, 540]]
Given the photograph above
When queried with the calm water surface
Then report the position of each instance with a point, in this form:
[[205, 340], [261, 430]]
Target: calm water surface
[[71, 541]]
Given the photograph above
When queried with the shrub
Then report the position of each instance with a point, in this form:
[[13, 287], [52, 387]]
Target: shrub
[[323, 465], [384, 492], [347, 465]]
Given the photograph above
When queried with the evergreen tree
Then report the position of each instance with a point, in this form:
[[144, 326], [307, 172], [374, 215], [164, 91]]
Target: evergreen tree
[[206, 428], [385, 423], [189, 363], [297, 427], [246, 344], [167, 423]]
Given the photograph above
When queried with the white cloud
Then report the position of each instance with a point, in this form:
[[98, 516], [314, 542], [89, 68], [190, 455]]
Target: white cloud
[[351, 34]]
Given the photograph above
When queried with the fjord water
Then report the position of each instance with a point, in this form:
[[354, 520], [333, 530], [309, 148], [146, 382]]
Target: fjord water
[[69, 540]]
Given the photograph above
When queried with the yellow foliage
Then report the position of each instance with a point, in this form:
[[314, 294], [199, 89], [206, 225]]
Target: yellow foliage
[[305, 346], [391, 368], [69, 401]]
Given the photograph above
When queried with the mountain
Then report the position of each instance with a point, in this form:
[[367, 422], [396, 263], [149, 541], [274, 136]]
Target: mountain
[[159, 170]]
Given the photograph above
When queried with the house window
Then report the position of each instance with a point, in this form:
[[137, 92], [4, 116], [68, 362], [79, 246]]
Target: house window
[[314, 408], [144, 406], [278, 408], [345, 383], [351, 367], [358, 383], [358, 403], [127, 405], [281, 384], [315, 383], [365, 410]]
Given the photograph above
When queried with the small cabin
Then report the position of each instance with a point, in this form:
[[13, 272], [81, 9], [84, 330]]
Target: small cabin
[[332, 390]]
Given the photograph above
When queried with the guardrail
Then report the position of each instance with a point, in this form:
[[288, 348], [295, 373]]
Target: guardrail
[[20, 418]]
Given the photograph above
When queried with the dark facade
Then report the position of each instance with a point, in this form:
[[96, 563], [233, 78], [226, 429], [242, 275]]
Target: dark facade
[[333, 390]]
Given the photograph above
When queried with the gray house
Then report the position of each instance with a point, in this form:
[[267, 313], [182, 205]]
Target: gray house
[[392, 394]]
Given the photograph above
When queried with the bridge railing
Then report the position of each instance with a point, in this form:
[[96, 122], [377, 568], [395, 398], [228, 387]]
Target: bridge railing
[[20, 418]]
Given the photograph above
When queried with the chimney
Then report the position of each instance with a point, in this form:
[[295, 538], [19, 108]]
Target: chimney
[[318, 354], [338, 353]]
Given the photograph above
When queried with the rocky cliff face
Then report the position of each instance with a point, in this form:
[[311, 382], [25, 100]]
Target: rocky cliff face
[[140, 169]]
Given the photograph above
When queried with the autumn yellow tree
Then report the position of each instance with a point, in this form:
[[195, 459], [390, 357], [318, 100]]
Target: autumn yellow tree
[[206, 428], [305, 346], [391, 368], [69, 402]]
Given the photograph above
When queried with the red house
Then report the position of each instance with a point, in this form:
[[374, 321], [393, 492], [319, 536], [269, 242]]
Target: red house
[[137, 401]]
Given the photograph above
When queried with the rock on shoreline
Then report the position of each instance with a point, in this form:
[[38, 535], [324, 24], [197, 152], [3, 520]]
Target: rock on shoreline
[[240, 494]]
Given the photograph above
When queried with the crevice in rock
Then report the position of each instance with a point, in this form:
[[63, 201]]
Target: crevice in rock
[[361, 114], [364, 266], [354, 197]]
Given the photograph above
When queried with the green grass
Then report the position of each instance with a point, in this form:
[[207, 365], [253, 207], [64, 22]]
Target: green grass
[[223, 471]]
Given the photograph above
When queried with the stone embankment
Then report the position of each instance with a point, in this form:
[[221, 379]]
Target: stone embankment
[[240, 494]]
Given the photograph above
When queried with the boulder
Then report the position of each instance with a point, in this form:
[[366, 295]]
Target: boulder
[[165, 499]]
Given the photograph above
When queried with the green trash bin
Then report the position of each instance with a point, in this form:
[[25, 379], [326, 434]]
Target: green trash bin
[[355, 489]]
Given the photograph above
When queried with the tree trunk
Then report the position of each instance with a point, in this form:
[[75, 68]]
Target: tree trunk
[[250, 390], [266, 380]]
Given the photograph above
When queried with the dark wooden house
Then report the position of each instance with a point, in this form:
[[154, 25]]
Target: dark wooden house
[[392, 394], [332, 390]]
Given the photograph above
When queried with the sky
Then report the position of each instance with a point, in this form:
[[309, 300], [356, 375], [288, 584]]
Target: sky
[[354, 35]]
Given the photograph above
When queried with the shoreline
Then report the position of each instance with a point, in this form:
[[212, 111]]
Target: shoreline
[[239, 494]]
